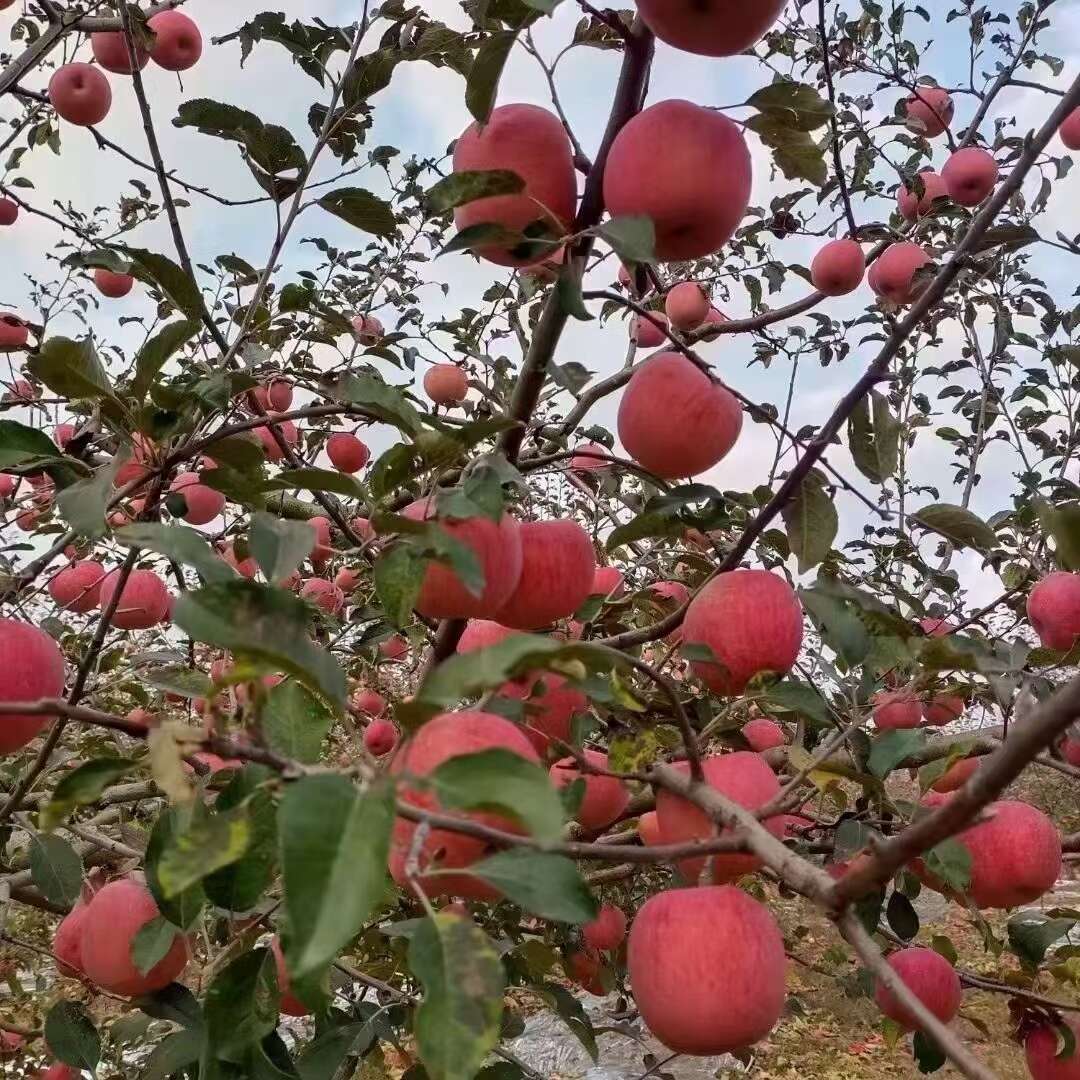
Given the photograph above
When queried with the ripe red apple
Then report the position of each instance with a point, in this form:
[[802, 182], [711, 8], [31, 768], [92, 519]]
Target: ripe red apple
[[533, 143], [584, 967], [930, 977], [111, 52], [956, 775], [1015, 856], [143, 603], [481, 634], [743, 777], [347, 579], [550, 705], [380, 737], [713, 319], [1053, 607], [322, 550], [581, 462], [289, 1005], [608, 581], [447, 736], [113, 917], [674, 420], [1070, 750], [204, 503], [13, 331], [80, 94], [446, 384], [63, 434], [970, 175], [912, 206], [707, 968], [648, 828], [31, 668], [768, 615], [763, 734], [67, 941], [933, 627], [892, 276], [113, 285], [78, 586], [1041, 1047], [838, 268], [928, 111], [324, 594], [686, 306], [247, 568], [605, 796], [895, 709], [177, 41], [1070, 130], [368, 702], [557, 568], [367, 329], [8, 484], [394, 647], [674, 591], [696, 188], [362, 527], [346, 452], [942, 709], [710, 27], [498, 549], [647, 334], [9, 212], [270, 445], [607, 931], [11, 1042], [59, 1071]]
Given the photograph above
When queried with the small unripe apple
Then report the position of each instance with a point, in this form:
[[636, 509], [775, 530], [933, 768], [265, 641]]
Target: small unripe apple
[[606, 797], [894, 709], [113, 285], [838, 268], [111, 52], [380, 737], [930, 977], [892, 276], [607, 931], [763, 734], [1053, 607], [446, 384], [970, 175], [80, 94], [913, 206], [674, 420], [9, 212], [31, 669], [346, 452], [707, 968], [928, 111], [686, 306], [78, 586], [648, 332], [177, 41]]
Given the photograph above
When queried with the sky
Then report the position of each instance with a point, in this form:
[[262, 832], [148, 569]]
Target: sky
[[422, 112]]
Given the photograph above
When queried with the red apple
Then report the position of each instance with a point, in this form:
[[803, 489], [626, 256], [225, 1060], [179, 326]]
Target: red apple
[[78, 586], [1053, 607], [956, 775], [674, 420], [686, 306], [111, 52], [322, 550], [942, 709], [1070, 130], [608, 582], [550, 705], [607, 931], [710, 27], [930, 977], [582, 462], [928, 111], [934, 627], [688, 169], [31, 669], [648, 332], [380, 737], [367, 329], [893, 275], [605, 796], [648, 828], [707, 967], [557, 568], [394, 647], [895, 709], [13, 331], [368, 702], [1045, 1060], [289, 1005], [324, 595], [481, 634], [347, 579], [674, 591], [447, 736], [143, 603], [533, 143], [9, 212], [80, 94], [204, 503], [177, 41], [838, 268], [113, 285], [584, 967], [970, 175], [768, 615], [763, 734], [913, 206], [446, 384], [346, 452], [113, 917], [67, 941], [247, 568]]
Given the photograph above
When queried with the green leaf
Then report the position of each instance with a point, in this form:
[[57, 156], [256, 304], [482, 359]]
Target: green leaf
[[173, 1054], [633, 239], [152, 943], [457, 1023], [902, 916], [186, 682], [316, 480], [295, 722], [208, 844], [156, 353], [795, 104], [71, 1036], [812, 522], [99, 259], [892, 748], [379, 398], [242, 1005], [55, 869], [928, 1055], [174, 1003], [181, 289], [279, 546], [270, 146], [362, 210], [172, 822], [794, 696], [322, 1057], [460, 188], [178, 542], [482, 85], [265, 623], [874, 441], [83, 503], [503, 780], [71, 369], [549, 886], [1061, 523], [334, 844], [82, 787], [19, 444], [960, 527], [239, 887], [398, 575], [573, 1015], [838, 622], [1032, 933], [951, 862], [795, 153], [482, 235]]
